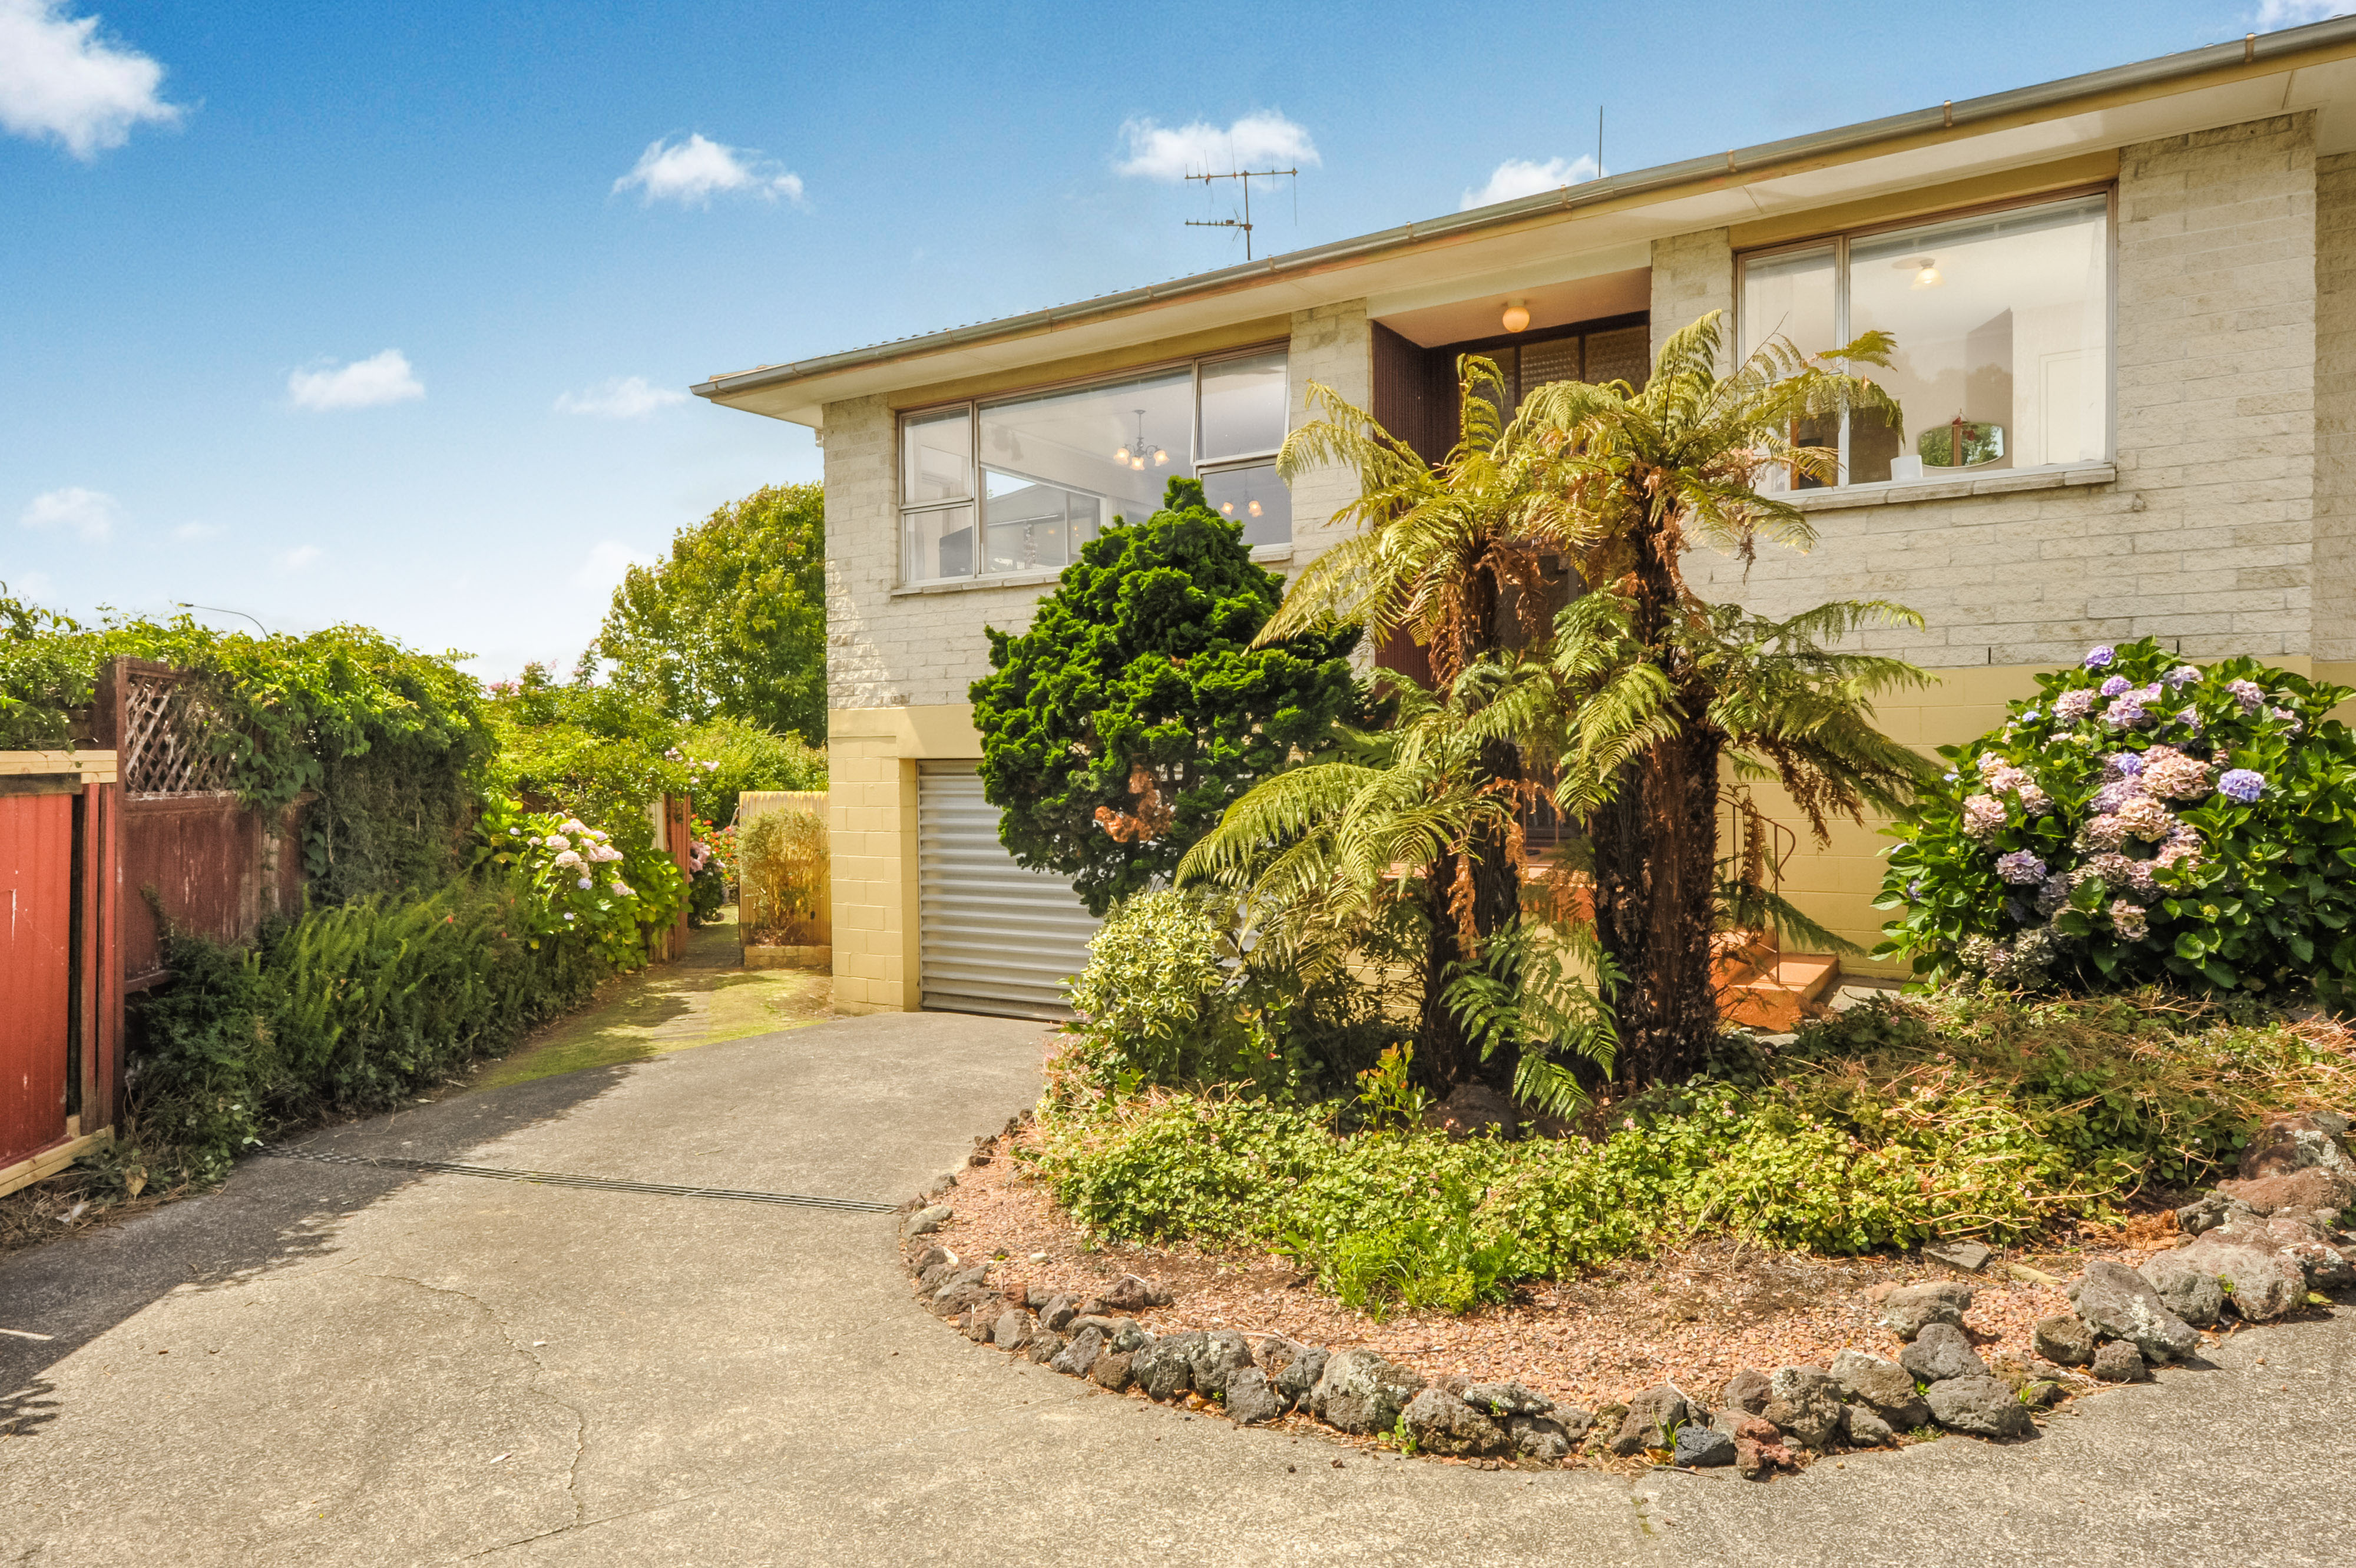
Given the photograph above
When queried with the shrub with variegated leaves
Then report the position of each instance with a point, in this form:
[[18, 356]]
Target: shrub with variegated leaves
[[2142, 818]]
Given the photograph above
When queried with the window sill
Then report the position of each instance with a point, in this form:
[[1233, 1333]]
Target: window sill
[[1261, 552], [976, 585], [2003, 483]]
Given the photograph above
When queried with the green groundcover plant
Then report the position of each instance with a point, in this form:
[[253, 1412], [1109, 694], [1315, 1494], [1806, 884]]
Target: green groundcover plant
[[2141, 818], [1904, 1120]]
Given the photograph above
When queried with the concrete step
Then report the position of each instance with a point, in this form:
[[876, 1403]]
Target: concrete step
[[1774, 992]]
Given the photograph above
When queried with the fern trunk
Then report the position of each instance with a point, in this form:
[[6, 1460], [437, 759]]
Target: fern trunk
[[1655, 846], [1445, 1057]]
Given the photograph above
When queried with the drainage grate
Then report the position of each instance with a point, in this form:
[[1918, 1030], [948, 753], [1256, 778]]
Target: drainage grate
[[602, 1184]]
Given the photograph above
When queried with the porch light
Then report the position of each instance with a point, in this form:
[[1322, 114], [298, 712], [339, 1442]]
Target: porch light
[[1227, 508], [1925, 270], [1121, 456], [1254, 509], [1516, 317]]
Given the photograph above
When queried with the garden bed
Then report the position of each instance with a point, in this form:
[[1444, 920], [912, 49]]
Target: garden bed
[[1692, 1316], [1918, 1194]]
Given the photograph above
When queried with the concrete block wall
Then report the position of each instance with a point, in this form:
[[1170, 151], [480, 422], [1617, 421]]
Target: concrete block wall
[[1692, 274], [872, 835], [899, 663], [2335, 409], [1333, 345], [2206, 534], [2233, 504]]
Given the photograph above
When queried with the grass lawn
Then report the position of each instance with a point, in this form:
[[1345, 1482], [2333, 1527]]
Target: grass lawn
[[703, 999]]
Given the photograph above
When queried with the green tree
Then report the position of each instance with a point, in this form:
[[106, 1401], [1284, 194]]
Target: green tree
[[1698, 691], [599, 751], [45, 672], [1622, 709], [733, 624], [1117, 728]]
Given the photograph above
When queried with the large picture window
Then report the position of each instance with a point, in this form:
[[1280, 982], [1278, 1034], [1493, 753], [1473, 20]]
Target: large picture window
[[1019, 484], [2002, 323]]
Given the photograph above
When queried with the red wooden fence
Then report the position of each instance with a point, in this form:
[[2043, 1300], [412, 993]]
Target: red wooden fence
[[211, 865], [61, 974]]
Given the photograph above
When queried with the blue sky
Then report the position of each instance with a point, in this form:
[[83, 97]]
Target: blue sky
[[383, 314]]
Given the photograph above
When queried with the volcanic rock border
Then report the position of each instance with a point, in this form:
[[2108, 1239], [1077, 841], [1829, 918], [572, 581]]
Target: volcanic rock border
[[2252, 1249]]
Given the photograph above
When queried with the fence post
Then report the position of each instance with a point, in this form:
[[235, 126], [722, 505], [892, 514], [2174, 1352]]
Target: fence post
[[681, 836]]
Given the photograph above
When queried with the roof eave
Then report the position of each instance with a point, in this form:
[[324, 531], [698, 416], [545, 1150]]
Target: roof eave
[[2258, 54]]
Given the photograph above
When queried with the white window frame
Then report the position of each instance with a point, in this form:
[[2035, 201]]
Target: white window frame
[[1840, 241], [972, 407]]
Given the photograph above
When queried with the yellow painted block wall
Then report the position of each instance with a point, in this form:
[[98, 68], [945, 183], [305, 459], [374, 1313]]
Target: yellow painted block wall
[[1835, 885]]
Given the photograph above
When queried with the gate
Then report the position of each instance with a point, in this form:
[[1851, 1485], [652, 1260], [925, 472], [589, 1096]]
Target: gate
[[60, 978]]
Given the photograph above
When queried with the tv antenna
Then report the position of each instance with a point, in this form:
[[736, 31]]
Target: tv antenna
[[1244, 222]]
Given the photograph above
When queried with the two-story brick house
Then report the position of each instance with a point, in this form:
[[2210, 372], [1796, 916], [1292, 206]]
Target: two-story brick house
[[2126, 307]]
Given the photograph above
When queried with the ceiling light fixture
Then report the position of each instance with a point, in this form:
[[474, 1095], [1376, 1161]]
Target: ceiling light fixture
[[1924, 268], [1134, 455], [1516, 317]]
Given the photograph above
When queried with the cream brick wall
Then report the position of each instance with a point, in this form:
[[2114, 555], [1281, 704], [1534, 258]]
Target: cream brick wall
[[872, 835], [2206, 538], [1333, 345], [1692, 274], [2220, 524], [888, 649], [2335, 409], [898, 664]]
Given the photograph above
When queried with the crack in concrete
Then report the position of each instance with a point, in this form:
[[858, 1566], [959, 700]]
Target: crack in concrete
[[532, 1386]]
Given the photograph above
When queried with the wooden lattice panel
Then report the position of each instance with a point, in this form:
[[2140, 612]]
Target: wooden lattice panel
[[167, 747]]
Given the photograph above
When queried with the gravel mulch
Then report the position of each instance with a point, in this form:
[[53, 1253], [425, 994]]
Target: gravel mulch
[[1692, 1316]]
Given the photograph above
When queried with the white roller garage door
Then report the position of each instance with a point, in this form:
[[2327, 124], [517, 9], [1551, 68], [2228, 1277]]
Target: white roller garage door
[[991, 937]]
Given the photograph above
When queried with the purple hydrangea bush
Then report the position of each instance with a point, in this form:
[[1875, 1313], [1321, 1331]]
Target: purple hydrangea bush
[[2141, 818]]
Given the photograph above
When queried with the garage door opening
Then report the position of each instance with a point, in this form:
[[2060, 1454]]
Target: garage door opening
[[991, 937]]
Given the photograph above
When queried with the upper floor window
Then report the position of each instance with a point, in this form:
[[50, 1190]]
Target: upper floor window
[[2002, 323], [1019, 484]]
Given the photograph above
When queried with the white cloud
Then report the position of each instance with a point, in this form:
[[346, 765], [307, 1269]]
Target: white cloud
[[193, 532], [620, 397], [1160, 152], [602, 571], [301, 558], [692, 171], [364, 383], [1523, 177], [33, 587], [90, 513], [60, 81], [2275, 13]]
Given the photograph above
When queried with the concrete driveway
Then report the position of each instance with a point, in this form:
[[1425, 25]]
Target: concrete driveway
[[335, 1364]]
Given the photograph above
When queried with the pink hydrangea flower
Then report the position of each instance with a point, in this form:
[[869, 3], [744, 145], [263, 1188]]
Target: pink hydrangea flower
[[2103, 832], [2169, 773], [2127, 919], [1982, 816], [2148, 820]]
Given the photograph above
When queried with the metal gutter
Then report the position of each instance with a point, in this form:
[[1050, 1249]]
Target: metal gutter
[[2256, 50]]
